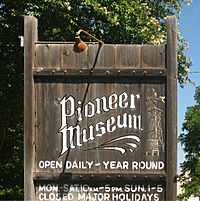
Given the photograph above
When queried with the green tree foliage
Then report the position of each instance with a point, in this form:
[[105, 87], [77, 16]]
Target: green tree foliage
[[190, 140], [120, 21]]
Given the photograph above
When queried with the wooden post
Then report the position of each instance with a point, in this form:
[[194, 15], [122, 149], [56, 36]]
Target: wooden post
[[171, 108], [30, 37]]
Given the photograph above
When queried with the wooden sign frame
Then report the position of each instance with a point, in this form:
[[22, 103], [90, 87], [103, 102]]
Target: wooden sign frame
[[55, 62]]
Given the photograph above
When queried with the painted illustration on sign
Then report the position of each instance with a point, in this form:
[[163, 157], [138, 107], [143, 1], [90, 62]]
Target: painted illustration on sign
[[155, 139]]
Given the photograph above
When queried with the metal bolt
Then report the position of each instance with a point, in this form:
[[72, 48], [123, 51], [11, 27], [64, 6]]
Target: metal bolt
[[66, 53]]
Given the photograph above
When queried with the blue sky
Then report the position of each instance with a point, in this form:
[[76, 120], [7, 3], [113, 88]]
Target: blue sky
[[190, 30]]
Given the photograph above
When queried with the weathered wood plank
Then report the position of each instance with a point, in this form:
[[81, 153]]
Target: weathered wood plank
[[171, 94], [48, 55], [30, 37], [105, 56], [101, 56], [47, 121], [127, 56], [68, 56], [152, 56]]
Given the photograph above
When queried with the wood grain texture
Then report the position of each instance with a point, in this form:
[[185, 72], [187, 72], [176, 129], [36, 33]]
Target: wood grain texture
[[109, 56], [30, 37], [171, 108]]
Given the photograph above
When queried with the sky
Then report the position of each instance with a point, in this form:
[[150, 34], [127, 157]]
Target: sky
[[190, 29]]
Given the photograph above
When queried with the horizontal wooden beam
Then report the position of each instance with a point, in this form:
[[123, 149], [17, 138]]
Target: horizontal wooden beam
[[98, 177], [99, 72], [62, 55]]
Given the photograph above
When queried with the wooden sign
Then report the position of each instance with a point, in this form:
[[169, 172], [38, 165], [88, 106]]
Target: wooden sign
[[100, 125]]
